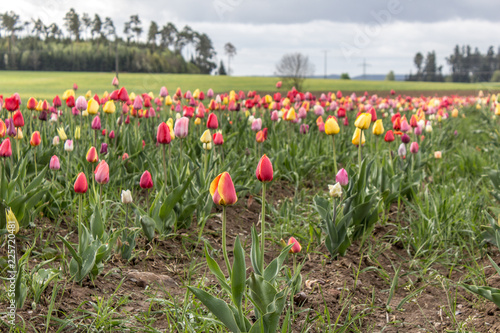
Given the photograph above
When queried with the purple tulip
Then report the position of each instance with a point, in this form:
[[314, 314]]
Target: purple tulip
[[104, 148], [96, 123], [405, 138], [304, 129]]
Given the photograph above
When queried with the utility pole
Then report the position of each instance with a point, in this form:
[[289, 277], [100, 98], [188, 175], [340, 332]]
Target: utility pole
[[325, 52], [364, 65]]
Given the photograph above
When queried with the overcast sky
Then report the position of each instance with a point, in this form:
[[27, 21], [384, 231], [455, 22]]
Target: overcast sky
[[387, 33]]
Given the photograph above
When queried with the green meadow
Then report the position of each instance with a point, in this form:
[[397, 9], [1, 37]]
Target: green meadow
[[48, 84]]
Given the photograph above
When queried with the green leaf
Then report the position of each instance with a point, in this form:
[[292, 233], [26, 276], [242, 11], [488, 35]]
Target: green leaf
[[255, 256], [261, 292], [218, 307], [71, 250], [215, 269], [148, 226], [88, 258], [274, 267], [96, 225], [238, 278]]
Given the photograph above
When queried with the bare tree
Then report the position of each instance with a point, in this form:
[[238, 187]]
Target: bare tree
[[230, 51], [293, 68]]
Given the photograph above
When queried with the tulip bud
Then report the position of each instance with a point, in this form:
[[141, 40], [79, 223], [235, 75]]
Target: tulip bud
[[363, 121], [256, 125], [212, 122], [378, 127], [35, 139], [54, 163], [331, 126], [402, 150], [222, 190], [81, 104], [68, 145], [56, 141], [5, 148], [356, 137], [218, 139], [207, 146], [126, 197], [163, 134], [81, 185], [296, 247], [12, 225], [102, 173], [18, 119], [264, 171], [112, 134], [181, 127], [405, 138], [342, 178], [206, 137], [96, 123], [437, 154], [146, 181], [414, 148], [104, 148], [389, 136], [92, 155]]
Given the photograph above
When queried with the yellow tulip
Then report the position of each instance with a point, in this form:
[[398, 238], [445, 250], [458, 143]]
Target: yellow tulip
[[106, 94], [168, 100], [77, 133], [62, 134], [88, 94], [268, 99], [131, 96], [92, 106], [331, 127], [363, 121], [225, 101], [109, 107], [196, 93], [378, 127], [291, 114], [150, 94], [170, 124], [497, 110], [206, 137], [67, 93], [355, 137], [39, 106], [12, 224], [454, 113]]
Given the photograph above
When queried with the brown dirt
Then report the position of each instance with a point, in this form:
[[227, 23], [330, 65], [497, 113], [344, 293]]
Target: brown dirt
[[325, 282]]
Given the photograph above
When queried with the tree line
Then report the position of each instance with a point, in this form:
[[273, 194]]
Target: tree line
[[466, 66], [88, 43]]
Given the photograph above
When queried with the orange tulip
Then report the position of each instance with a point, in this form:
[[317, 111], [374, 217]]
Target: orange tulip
[[35, 139]]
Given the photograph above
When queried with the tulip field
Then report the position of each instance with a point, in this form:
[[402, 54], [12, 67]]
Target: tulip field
[[237, 211]]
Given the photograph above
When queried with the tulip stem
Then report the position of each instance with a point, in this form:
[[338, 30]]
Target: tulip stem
[[224, 249], [263, 226], [334, 155], [34, 159], [165, 165], [359, 148], [80, 221]]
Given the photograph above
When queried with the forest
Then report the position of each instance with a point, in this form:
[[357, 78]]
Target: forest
[[87, 43]]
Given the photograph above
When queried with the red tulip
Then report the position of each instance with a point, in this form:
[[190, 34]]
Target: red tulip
[[146, 180], [212, 122], [70, 101], [389, 136], [18, 119], [296, 247], [35, 139], [123, 94], [102, 173], [56, 102], [5, 148], [112, 134], [163, 134], [264, 171], [222, 190], [12, 103], [81, 185], [218, 139]]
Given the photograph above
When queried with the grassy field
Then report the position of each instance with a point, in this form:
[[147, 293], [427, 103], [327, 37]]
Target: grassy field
[[48, 84]]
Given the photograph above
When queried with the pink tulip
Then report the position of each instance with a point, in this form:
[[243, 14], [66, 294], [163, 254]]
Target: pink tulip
[[54, 163]]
